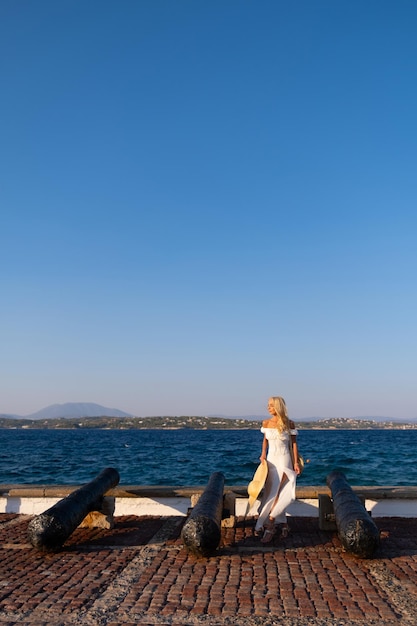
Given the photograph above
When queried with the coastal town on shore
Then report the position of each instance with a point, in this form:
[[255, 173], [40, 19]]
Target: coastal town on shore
[[196, 423]]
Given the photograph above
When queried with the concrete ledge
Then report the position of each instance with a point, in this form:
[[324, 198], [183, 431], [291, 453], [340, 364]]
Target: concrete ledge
[[375, 493], [169, 491], [166, 500], [121, 491]]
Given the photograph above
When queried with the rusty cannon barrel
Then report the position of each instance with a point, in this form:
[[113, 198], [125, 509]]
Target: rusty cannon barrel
[[355, 527], [202, 531], [50, 530]]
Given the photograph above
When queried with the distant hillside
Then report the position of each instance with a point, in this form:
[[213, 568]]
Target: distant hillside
[[98, 416], [71, 410], [185, 422], [303, 420], [129, 423]]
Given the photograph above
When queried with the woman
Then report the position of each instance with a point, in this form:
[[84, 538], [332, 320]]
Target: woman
[[279, 447]]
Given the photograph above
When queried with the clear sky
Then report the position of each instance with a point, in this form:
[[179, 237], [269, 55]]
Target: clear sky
[[203, 204]]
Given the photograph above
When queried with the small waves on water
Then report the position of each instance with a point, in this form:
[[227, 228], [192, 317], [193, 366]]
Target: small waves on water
[[188, 457], [366, 457]]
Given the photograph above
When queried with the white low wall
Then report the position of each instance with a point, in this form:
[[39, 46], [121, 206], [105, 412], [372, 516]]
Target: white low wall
[[26, 506], [150, 506], [308, 507], [179, 506], [123, 506]]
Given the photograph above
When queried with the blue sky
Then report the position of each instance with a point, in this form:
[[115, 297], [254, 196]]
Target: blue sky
[[207, 203]]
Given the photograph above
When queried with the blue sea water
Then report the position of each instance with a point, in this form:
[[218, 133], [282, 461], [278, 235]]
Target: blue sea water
[[188, 457]]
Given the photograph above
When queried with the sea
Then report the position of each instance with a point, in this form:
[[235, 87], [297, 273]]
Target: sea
[[189, 457]]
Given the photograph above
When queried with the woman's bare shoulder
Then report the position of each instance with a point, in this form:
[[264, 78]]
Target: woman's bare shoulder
[[267, 424]]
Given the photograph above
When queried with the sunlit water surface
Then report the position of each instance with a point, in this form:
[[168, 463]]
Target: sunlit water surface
[[188, 457]]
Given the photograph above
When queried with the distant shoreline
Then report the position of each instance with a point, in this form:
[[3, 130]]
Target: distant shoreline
[[299, 427], [409, 427], [194, 422]]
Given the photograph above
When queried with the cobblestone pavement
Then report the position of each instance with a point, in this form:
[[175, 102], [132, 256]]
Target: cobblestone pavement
[[140, 573]]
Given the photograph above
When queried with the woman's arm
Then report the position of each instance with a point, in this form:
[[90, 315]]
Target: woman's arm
[[294, 446], [294, 455], [262, 458]]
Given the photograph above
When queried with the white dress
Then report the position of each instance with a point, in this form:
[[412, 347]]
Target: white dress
[[279, 463]]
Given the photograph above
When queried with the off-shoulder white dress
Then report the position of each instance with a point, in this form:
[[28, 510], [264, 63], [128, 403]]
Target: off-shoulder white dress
[[275, 501]]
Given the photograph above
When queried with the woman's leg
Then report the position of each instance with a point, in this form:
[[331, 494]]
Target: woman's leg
[[270, 527], [270, 489], [285, 497]]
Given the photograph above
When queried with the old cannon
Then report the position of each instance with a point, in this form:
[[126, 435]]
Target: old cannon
[[50, 530], [355, 527], [202, 531]]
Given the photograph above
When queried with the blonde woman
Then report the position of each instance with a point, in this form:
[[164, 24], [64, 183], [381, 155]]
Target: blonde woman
[[279, 447]]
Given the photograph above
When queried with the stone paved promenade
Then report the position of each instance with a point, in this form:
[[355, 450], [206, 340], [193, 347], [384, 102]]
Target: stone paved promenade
[[139, 573]]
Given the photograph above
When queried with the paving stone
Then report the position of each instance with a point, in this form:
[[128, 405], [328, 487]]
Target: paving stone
[[109, 576]]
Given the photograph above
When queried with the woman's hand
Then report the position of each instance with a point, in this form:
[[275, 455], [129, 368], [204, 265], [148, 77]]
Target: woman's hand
[[297, 469], [262, 458]]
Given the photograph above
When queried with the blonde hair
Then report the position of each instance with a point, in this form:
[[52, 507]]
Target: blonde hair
[[283, 423]]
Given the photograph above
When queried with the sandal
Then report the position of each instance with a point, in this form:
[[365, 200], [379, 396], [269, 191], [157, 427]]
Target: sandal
[[269, 532], [268, 536]]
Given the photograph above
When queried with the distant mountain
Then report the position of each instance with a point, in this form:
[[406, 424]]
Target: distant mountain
[[365, 418], [379, 418], [71, 410], [75, 410]]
